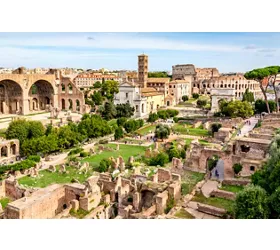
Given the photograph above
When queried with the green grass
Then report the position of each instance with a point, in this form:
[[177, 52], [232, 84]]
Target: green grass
[[231, 188], [203, 142], [190, 131], [183, 214], [189, 180], [215, 201], [125, 151], [146, 130], [3, 133], [4, 202], [112, 122], [47, 178], [80, 213], [191, 100]]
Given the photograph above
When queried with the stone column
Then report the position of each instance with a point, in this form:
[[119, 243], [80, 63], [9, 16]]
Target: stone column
[[55, 101]]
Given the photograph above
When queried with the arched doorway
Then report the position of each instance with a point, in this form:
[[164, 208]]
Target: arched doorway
[[11, 97], [70, 88], [168, 103], [13, 149], [77, 105], [215, 167], [70, 104], [41, 94], [4, 151], [63, 104]]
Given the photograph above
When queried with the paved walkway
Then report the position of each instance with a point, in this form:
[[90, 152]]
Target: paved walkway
[[248, 128], [208, 187]]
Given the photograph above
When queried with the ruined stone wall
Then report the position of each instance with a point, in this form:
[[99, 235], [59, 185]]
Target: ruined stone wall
[[164, 175], [261, 136], [13, 190], [2, 189], [39, 206], [220, 212], [236, 182], [73, 192], [223, 194]]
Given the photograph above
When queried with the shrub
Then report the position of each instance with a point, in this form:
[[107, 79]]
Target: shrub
[[75, 151], [237, 167], [195, 95], [104, 165], [201, 103], [185, 98], [83, 154], [118, 133], [121, 121], [153, 117], [172, 112], [162, 131], [35, 158], [160, 159], [170, 204], [104, 141], [215, 127]]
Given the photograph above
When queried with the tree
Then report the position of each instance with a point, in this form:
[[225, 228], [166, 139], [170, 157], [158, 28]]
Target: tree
[[237, 167], [160, 159], [252, 203], [97, 98], [110, 111], [18, 129], [104, 165], [121, 121], [36, 129], [152, 117], [260, 75], [109, 89], [260, 106], [162, 131], [215, 127], [248, 96], [173, 152], [273, 72], [133, 125], [185, 98], [124, 110], [97, 85], [118, 133], [158, 74], [238, 108]]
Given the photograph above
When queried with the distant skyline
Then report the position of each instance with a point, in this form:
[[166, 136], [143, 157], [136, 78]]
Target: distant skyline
[[229, 52]]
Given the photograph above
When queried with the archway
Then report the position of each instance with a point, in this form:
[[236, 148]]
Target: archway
[[11, 97], [13, 149], [70, 104], [215, 167], [42, 93], [77, 105], [63, 104], [70, 88], [168, 103], [4, 151]]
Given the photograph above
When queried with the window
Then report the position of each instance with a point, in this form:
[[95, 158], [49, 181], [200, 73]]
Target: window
[[252, 168], [126, 95]]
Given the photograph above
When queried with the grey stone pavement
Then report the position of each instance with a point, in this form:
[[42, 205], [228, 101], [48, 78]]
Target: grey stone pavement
[[247, 128]]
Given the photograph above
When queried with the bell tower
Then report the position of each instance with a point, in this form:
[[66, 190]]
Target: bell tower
[[142, 70]]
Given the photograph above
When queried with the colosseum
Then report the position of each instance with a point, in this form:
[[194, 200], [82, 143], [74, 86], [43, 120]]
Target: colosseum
[[235, 81]]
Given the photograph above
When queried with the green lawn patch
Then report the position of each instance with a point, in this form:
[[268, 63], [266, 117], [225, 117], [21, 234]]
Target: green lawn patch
[[183, 214], [146, 130], [4, 202], [215, 201], [47, 178], [186, 130], [189, 180], [125, 151], [232, 188]]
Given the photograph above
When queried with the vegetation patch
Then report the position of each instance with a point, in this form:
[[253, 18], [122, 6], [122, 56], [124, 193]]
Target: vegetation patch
[[187, 130], [47, 178], [189, 180], [232, 188], [146, 130], [183, 214], [80, 213], [215, 201], [4, 202]]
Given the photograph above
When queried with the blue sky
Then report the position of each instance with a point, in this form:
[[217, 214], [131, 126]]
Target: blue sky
[[229, 52]]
